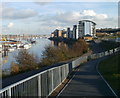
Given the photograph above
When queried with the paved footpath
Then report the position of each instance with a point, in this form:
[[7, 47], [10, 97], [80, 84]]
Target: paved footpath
[[87, 82]]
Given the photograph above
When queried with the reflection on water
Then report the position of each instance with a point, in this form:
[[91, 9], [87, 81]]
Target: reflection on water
[[55, 43], [36, 49], [4, 54]]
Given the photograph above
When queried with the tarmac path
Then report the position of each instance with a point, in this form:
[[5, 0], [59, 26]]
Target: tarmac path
[[87, 81]]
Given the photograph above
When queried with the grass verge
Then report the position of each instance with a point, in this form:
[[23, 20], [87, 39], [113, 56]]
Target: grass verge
[[110, 69]]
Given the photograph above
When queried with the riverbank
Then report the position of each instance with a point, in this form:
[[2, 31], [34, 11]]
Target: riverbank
[[110, 69], [21, 76], [51, 55]]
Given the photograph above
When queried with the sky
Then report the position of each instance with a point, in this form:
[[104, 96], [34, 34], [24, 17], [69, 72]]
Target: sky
[[45, 17]]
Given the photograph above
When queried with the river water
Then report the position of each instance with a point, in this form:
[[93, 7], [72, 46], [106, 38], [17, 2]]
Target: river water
[[36, 49]]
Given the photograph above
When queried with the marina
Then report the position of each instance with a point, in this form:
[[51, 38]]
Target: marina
[[10, 51]]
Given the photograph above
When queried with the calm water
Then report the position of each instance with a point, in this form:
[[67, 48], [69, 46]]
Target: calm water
[[37, 49]]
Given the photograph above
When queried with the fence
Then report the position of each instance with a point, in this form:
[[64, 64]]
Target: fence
[[44, 83]]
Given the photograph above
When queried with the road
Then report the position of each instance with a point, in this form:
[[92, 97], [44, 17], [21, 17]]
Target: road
[[87, 81]]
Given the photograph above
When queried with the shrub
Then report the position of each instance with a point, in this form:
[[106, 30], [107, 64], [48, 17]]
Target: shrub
[[15, 68], [26, 60], [53, 55], [80, 47]]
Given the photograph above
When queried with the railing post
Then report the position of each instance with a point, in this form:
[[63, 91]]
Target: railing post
[[59, 74], [64, 72], [39, 85], [52, 80], [9, 92]]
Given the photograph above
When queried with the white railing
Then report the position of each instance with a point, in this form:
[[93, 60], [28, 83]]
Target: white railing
[[44, 83]]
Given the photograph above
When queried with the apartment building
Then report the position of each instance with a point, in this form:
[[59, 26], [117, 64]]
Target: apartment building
[[86, 27], [83, 28]]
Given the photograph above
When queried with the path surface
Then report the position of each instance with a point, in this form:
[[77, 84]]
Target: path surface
[[87, 81]]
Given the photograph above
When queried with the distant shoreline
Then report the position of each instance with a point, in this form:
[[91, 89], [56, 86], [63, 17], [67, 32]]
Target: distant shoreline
[[65, 40]]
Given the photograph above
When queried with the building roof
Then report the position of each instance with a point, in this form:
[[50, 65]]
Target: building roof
[[89, 21]]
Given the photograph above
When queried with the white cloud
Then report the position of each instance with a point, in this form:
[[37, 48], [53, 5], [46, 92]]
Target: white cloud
[[12, 13], [73, 17], [65, 19], [10, 25], [89, 13], [101, 16], [49, 22]]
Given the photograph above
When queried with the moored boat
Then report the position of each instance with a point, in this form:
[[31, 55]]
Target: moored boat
[[27, 46], [11, 49]]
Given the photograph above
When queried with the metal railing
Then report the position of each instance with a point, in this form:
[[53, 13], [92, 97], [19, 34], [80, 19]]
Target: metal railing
[[44, 83]]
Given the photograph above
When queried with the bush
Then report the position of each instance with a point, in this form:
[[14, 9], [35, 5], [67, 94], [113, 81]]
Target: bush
[[26, 61], [54, 55], [80, 47], [15, 68], [51, 55]]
